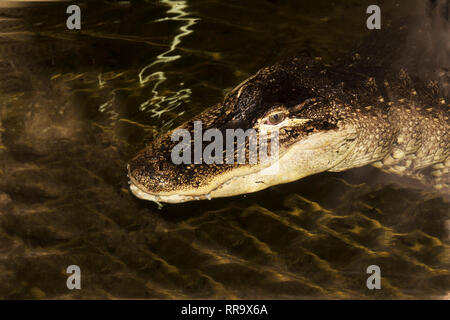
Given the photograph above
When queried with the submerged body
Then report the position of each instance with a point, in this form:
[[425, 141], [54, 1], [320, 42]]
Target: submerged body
[[375, 107]]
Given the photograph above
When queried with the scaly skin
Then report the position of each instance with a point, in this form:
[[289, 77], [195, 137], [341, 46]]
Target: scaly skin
[[375, 107]]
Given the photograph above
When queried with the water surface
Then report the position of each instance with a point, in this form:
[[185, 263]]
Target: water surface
[[75, 106]]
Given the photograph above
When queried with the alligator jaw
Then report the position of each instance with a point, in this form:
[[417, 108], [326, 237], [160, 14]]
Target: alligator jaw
[[175, 198], [303, 159]]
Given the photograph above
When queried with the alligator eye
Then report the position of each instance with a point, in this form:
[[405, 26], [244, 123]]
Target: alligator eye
[[276, 118]]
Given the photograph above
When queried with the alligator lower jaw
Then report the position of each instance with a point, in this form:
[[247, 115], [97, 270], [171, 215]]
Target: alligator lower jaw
[[174, 198]]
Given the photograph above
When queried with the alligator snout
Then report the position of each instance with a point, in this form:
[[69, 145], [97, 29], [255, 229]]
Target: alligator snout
[[150, 171]]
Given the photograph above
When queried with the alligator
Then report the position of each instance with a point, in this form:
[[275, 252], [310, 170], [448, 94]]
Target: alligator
[[385, 104]]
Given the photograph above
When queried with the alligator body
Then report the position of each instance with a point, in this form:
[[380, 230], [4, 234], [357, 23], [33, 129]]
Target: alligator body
[[385, 105]]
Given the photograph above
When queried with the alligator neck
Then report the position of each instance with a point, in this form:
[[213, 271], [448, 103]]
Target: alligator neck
[[404, 139]]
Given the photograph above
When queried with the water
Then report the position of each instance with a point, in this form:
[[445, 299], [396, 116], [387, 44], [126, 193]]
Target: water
[[77, 105]]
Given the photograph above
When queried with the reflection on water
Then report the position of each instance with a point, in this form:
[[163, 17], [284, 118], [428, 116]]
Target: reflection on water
[[75, 106], [175, 99]]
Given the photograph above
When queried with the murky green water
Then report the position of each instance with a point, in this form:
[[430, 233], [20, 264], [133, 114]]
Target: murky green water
[[75, 106]]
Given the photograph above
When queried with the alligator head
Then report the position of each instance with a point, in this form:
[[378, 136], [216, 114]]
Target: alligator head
[[374, 106], [314, 133]]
